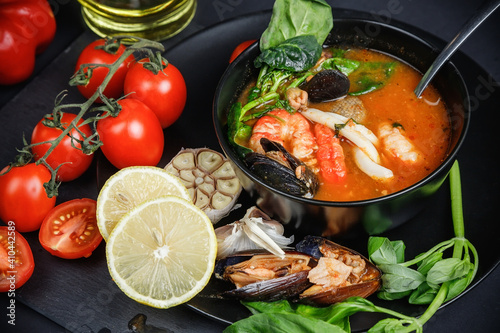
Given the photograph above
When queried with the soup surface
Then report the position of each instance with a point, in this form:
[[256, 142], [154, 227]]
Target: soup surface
[[413, 133]]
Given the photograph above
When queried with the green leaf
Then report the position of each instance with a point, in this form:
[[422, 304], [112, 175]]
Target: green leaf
[[449, 269], [370, 76], [282, 322], [381, 251], [295, 54], [457, 286], [425, 265], [387, 296], [397, 278], [424, 294], [389, 325], [237, 129], [399, 247], [346, 66], [291, 18]]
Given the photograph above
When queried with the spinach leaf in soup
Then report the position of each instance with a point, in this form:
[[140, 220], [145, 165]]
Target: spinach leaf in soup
[[293, 18], [370, 76], [295, 54]]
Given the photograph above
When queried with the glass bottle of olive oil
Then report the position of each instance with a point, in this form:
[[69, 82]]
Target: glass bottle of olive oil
[[151, 19]]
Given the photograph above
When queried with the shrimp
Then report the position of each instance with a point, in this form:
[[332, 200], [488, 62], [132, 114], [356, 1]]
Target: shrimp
[[397, 144], [330, 155], [356, 133], [293, 131]]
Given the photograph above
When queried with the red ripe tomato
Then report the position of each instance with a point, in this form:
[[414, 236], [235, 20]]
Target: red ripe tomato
[[23, 197], [240, 48], [70, 229], [16, 259], [94, 54], [134, 137], [64, 151], [165, 93]]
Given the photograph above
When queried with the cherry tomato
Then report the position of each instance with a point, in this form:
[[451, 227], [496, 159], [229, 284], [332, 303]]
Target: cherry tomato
[[93, 55], [134, 137], [64, 151], [23, 197], [16, 259], [70, 229], [240, 48], [165, 93]]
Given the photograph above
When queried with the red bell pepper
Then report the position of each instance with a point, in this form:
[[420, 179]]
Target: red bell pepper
[[27, 27]]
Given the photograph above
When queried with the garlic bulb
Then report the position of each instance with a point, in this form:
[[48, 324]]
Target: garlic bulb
[[255, 230], [209, 179]]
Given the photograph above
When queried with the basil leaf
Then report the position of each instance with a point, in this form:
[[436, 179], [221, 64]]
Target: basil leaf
[[389, 325], [282, 322], [295, 54], [387, 296], [448, 269], [337, 314], [399, 247], [424, 294], [291, 18], [381, 251], [457, 286], [425, 265], [397, 278]]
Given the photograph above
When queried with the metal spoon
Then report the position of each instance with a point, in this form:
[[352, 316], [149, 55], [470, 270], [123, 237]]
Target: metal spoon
[[482, 13]]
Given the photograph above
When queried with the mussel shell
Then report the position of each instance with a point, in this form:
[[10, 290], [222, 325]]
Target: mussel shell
[[337, 295], [318, 247], [327, 85], [285, 287], [280, 176], [276, 174]]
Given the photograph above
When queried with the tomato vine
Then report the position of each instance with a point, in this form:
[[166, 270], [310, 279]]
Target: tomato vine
[[86, 111]]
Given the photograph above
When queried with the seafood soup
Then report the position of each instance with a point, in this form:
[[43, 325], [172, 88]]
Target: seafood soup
[[368, 139]]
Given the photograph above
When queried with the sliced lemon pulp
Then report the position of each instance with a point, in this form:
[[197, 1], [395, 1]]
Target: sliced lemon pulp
[[162, 253], [128, 188]]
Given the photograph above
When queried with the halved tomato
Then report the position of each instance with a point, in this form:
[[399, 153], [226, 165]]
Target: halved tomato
[[16, 259], [70, 230]]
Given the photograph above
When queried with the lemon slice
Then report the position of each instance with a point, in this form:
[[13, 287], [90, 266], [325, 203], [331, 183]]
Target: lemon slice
[[162, 253], [131, 186]]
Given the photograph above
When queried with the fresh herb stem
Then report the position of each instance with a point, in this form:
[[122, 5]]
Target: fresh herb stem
[[437, 248], [435, 304], [263, 99], [456, 201]]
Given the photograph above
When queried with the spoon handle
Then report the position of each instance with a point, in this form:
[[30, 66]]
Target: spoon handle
[[481, 14]]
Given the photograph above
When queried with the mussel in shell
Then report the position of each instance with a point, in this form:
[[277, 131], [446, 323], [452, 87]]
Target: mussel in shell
[[283, 171], [327, 85], [319, 272], [261, 276], [341, 272]]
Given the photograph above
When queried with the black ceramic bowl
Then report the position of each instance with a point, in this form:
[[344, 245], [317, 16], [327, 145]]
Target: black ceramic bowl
[[378, 214]]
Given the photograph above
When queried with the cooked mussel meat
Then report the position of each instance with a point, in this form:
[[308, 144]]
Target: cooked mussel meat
[[283, 171], [341, 272], [327, 85], [261, 276]]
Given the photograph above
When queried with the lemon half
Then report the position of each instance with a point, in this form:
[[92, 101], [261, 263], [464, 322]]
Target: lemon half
[[128, 188], [162, 253]]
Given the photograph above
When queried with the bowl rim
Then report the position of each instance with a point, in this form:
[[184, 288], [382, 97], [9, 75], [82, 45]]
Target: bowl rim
[[445, 165]]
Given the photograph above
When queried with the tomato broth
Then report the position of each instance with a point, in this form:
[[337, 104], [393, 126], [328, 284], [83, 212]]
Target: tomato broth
[[424, 122]]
